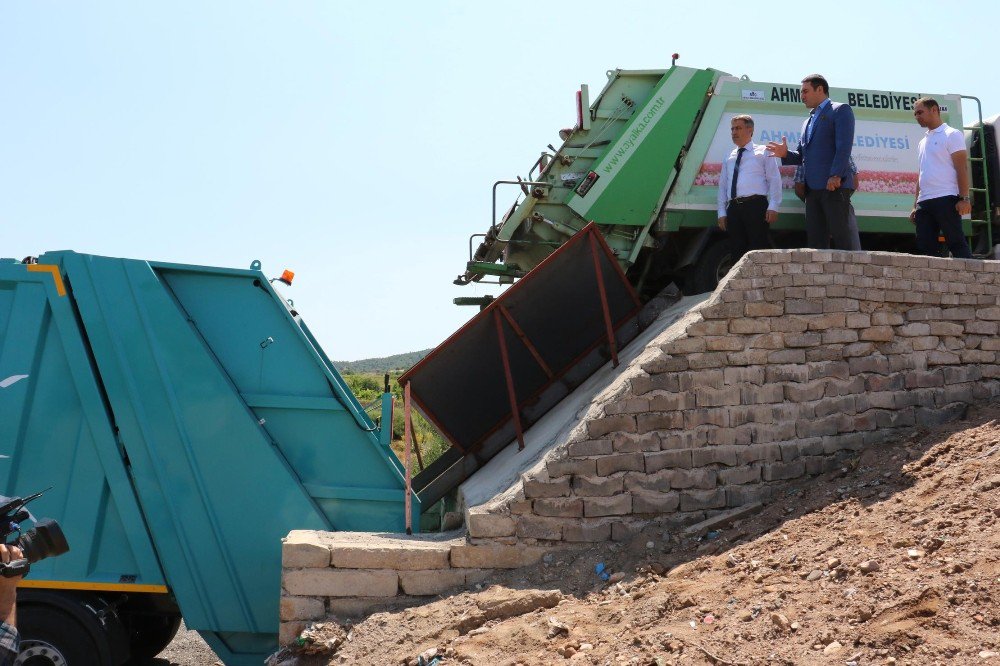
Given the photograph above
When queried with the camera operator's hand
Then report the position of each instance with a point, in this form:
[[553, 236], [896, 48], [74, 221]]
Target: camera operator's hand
[[8, 586]]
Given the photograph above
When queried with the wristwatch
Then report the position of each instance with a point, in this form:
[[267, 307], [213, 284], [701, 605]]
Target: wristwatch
[[965, 198]]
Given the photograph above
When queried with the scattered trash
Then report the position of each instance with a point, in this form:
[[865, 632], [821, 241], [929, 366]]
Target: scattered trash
[[714, 534], [557, 628], [429, 658], [694, 625], [321, 637], [709, 619], [601, 571]]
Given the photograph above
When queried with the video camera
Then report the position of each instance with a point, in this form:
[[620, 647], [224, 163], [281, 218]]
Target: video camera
[[45, 539]]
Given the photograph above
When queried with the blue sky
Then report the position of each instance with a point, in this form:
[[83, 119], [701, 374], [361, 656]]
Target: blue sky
[[356, 143]]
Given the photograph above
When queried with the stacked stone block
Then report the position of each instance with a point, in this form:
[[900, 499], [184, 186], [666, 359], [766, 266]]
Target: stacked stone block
[[797, 357], [351, 574]]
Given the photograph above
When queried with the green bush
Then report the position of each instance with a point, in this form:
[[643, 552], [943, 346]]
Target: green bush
[[367, 387]]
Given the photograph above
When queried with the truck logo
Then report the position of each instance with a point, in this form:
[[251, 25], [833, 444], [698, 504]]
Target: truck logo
[[10, 381], [755, 95]]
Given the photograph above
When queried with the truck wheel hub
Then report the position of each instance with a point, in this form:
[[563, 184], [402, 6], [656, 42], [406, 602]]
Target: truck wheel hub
[[39, 653]]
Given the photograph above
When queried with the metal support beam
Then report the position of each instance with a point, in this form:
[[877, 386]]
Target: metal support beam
[[511, 394], [527, 342], [609, 325]]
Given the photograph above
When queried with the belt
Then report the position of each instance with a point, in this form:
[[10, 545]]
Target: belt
[[743, 200]]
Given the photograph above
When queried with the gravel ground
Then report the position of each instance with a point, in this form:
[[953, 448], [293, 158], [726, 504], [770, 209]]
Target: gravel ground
[[187, 649]]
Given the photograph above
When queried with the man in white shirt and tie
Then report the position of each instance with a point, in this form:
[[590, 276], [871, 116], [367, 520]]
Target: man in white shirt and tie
[[749, 191]]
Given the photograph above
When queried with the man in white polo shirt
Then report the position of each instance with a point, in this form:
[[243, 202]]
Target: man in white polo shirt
[[942, 186], [749, 191]]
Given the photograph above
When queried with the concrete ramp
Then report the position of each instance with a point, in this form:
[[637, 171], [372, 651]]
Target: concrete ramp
[[497, 482]]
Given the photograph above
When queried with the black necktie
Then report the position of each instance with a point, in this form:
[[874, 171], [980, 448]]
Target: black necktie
[[736, 173]]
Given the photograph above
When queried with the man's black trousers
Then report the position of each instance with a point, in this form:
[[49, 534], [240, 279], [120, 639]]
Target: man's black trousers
[[826, 216], [747, 226], [939, 215]]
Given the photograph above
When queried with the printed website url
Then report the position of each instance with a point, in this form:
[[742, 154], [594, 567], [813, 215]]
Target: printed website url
[[633, 136]]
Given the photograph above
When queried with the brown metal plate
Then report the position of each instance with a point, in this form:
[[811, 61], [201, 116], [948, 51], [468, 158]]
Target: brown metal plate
[[550, 320]]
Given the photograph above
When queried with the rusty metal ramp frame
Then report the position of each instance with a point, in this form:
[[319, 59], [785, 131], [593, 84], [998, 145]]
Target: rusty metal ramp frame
[[526, 351]]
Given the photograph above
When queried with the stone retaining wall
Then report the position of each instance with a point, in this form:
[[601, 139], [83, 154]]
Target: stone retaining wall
[[799, 355], [352, 574]]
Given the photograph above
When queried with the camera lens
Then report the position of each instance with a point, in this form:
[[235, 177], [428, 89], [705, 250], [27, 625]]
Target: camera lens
[[45, 539]]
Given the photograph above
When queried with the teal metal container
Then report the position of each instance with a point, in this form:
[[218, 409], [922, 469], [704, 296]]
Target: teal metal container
[[186, 420]]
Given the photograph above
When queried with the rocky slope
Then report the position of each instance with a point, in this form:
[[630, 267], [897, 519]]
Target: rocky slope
[[893, 558]]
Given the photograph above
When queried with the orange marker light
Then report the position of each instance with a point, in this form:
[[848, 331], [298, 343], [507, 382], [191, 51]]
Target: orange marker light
[[287, 276]]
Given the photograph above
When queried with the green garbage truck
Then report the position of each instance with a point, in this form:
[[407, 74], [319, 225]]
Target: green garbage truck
[[184, 420], [643, 161]]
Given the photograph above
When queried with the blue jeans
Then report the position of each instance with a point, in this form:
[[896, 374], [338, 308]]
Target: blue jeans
[[936, 216]]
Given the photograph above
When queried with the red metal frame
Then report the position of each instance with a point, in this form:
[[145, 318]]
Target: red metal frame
[[597, 242], [604, 302], [429, 415], [527, 342], [509, 377]]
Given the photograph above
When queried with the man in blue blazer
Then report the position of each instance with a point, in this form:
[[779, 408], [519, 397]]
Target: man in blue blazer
[[824, 151]]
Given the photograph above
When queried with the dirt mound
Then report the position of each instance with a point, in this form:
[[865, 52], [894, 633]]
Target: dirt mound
[[893, 558]]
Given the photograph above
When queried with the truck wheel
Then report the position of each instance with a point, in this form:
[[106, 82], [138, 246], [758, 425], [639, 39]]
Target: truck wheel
[[711, 267], [51, 637], [149, 635], [69, 629]]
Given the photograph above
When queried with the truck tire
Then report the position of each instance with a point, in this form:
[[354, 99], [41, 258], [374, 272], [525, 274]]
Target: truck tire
[[150, 634], [69, 629], [52, 637], [711, 267]]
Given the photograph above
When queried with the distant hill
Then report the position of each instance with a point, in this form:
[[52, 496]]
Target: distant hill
[[386, 364]]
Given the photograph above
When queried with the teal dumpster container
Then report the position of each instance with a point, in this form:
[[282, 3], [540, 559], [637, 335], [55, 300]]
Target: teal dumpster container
[[186, 419]]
